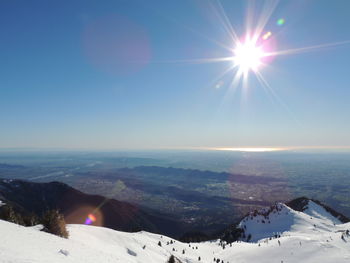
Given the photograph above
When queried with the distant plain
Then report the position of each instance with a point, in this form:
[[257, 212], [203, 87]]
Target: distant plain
[[206, 189]]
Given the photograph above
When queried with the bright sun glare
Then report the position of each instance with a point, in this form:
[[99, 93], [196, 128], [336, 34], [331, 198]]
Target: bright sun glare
[[251, 51], [247, 56], [251, 149]]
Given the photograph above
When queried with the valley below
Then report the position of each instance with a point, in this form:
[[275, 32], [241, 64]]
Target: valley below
[[201, 199]]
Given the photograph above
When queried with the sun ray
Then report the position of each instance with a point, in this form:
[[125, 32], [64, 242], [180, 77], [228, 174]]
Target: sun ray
[[176, 22], [249, 19], [233, 87], [306, 49], [196, 60], [268, 9], [245, 85], [268, 87], [231, 30], [224, 73], [221, 15]]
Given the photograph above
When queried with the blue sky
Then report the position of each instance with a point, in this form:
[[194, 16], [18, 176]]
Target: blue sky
[[112, 75]]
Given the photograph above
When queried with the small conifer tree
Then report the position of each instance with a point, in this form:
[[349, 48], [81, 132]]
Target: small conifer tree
[[171, 259], [54, 223], [9, 214]]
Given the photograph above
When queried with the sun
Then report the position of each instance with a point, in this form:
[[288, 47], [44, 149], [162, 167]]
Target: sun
[[248, 56], [250, 51]]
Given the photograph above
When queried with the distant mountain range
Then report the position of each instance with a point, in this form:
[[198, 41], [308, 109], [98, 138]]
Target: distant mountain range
[[10, 166]]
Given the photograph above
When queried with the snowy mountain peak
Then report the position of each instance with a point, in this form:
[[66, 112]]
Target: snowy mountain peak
[[318, 211], [280, 220], [267, 222], [302, 204]]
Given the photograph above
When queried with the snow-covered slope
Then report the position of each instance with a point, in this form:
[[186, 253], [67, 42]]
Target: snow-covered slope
[[280, 220], [305, 237]]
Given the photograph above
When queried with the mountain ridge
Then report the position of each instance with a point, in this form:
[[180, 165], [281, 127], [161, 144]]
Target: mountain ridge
[[29, 197]]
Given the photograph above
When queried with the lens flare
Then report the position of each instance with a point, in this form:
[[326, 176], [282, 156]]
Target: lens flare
[[266, 35], [117, 45], [219, 84], [281, 21], [90, 219]]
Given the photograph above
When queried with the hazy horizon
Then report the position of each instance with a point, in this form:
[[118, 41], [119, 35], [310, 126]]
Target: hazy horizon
[[199, 149]]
